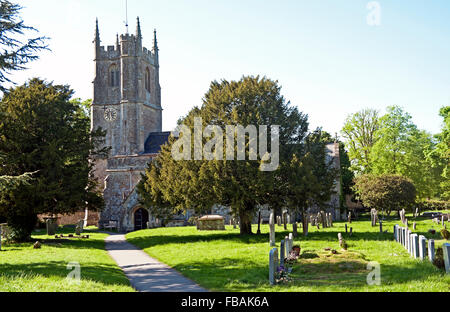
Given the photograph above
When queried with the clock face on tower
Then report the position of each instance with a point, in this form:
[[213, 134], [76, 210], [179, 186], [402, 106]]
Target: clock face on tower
[[110, 114]]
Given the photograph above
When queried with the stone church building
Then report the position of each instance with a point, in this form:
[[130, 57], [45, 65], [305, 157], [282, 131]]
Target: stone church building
[[127, 104]]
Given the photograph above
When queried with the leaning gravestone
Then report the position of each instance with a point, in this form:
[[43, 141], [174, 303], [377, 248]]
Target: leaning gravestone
[[273, 265], [431, 252], [446, 249], [422, 247]]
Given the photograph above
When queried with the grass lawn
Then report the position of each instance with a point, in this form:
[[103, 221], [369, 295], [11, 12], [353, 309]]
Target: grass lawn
[[225, 261], [24, 269]]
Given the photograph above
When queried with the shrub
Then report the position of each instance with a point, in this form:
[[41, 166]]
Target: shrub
[[386, 192], [445, 234], [436, 205]]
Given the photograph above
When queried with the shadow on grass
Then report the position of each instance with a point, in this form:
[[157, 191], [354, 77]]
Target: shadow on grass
[[230, 274], [157, 240], [102, 273]]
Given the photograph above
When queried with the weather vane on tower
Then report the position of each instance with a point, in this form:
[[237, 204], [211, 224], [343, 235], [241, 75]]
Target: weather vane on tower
[[126, 15]]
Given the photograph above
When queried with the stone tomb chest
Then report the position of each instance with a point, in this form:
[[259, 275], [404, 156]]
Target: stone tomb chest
[[211, 223]]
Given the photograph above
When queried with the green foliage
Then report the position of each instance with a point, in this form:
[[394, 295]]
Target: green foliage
[[436, 205], [42, 131], [359, 132], [440, 157], [386, 192], [445, 234], [402, 149], [15, 52], [8, 183], [170, 186]]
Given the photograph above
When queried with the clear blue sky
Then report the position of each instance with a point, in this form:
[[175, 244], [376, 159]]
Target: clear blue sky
[[329, 61]]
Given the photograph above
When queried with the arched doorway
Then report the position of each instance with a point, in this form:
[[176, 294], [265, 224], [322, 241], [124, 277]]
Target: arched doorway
[[140, 219]]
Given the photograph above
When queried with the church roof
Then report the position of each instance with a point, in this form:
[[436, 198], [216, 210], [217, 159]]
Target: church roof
[[154, 142]]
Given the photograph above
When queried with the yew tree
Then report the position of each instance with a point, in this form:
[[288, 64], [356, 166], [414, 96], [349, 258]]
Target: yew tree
[[44, 133], [171, 185]]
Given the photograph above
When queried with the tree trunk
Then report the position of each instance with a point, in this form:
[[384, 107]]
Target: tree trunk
[[259, 222], [246, 222], [304, 222]]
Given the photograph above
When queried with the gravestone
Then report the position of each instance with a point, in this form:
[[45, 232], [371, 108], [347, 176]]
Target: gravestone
[[79, 227], [415, 245], [282, 254], [403, 216], [381, 227], [340, 239], [446, 249], [272, 230], [350, 217], [395, 232], [288, 245], [52, 226], [351, 231], [408, 240], [431, 252], [414, 225], [443, 221], [273, 265], [294, 229], [422, 247], [346, 228]]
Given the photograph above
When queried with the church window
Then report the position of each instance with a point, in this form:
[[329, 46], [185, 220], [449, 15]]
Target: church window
[[147, 79], [114, 76]]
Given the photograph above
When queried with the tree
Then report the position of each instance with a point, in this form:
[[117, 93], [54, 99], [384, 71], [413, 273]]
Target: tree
[[238, 184], [440, 156], [16, 53], [42, 131], [386, 192], [309, 177], [359, 134], [402, 149]]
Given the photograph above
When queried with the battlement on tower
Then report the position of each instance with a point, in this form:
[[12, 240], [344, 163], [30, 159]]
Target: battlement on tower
[[128, 46]]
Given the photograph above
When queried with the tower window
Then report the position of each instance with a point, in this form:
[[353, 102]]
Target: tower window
[[147, 79], [114, 76]]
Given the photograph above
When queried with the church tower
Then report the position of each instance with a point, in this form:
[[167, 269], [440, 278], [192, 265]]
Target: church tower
[[127, 104], [127, 94]]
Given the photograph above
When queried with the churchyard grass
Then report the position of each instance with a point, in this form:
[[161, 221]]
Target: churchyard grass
[[25, 269], [226, 261]]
